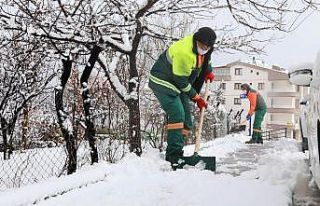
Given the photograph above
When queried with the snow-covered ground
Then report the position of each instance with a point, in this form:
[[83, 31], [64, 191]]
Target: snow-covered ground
[[150, 181]]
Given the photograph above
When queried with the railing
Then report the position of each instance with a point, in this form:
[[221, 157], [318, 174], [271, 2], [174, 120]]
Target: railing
[[275, 133]]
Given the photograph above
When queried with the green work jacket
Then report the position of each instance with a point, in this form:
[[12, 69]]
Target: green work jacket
[[177, 69]]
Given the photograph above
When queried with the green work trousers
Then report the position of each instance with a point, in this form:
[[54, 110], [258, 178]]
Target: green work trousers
[[257, 132], [177, 108]]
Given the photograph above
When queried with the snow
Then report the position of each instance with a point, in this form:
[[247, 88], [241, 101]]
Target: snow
[[126, 46], [148, 180], [256, 61], [121, 89], [300, 75], [222, 108], [282, 164], [301, 66], [300, 78], [142, 3], [221, 147]]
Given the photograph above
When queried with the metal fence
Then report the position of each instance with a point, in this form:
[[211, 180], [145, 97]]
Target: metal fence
[[275, 133], [31, 166], [37, 164], [34, 165]]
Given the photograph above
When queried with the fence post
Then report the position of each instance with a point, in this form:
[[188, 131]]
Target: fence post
[[285, 132], [228, 126]]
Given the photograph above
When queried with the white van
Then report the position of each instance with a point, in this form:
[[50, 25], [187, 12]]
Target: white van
[[308, 75]]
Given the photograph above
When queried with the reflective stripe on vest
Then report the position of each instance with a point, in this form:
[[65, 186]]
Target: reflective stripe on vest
[[187, 88], [178, 125], [165, 83]]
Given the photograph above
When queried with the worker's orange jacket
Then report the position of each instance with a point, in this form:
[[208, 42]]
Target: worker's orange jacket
[[256, 101]]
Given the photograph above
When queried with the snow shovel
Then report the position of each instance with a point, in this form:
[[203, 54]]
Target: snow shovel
[[239, 127], [209, 162]]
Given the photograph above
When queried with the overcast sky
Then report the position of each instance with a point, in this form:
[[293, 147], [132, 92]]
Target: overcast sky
[[297, 47]]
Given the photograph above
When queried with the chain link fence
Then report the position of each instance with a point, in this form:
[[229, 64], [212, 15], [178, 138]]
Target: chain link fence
[[30, 166]]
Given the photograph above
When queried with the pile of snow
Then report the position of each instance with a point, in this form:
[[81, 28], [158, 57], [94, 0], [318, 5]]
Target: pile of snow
[[282, 165], [148, 180], [301, 66], [301, 74], [220, 147]]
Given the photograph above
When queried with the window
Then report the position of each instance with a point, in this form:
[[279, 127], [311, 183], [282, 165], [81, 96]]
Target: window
[[222, 71], [238, 71], [257, 73], [223, 86], [237, 101], [237, 86], [260, 86]]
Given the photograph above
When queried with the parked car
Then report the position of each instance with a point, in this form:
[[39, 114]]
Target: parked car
[[308, 75]]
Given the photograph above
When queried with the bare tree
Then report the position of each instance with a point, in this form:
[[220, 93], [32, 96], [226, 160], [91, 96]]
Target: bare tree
[[22, 79], [90, 128], [119, 26], [64, 120]]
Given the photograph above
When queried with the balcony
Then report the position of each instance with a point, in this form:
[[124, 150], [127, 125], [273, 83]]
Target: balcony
[[281, 124], [283, 94], [283, 110], [223, 77]]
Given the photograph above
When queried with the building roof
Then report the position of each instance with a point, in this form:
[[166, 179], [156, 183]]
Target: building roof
[[274, 72]]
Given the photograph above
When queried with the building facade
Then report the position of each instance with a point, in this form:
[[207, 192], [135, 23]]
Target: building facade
[[272, 83]]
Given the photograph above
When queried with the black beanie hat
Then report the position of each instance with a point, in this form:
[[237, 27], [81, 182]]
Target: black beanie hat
[[245, 87], [205, 35]]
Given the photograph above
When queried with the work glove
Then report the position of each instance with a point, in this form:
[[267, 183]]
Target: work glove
[[248, 117], [209, 76], [201, 103]]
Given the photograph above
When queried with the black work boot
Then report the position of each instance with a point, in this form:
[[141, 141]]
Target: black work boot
[[260, 141], [251, 141], [174, 159]]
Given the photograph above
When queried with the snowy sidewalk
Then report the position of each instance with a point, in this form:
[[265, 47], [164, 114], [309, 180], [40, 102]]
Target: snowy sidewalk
[[247, 175], [246, 160], [243, 160]]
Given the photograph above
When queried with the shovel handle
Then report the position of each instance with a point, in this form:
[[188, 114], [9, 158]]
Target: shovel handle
[[199, 131], [244, 121]]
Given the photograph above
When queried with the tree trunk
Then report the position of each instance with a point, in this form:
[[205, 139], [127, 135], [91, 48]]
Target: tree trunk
[[90, 128], [134, 108], [4, 129], [25, 124], [134, 126], [64, 121]]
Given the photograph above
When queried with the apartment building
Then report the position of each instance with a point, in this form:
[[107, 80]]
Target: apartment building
[[272, 83]]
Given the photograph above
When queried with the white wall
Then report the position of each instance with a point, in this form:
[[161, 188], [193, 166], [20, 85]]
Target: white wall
[[282, 86], [281, 102], [281, 118]]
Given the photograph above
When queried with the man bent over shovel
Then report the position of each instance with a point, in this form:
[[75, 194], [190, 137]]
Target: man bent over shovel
[[175, 78]]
